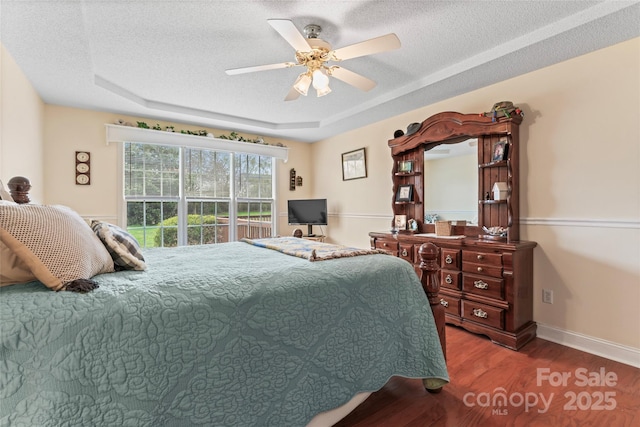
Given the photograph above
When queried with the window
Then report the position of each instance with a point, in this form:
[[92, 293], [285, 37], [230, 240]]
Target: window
[[254, 187], [207, 178], [179, 196]]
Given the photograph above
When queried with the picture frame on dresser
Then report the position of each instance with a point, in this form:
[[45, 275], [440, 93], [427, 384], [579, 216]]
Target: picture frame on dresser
[[405, 193], [400, 222], [405, 166], [499, 151]]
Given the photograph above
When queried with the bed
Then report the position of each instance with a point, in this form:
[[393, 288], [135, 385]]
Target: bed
[[233, 334]]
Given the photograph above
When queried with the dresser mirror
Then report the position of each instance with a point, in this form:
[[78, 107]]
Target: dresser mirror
[[451, 182], [497, 217]]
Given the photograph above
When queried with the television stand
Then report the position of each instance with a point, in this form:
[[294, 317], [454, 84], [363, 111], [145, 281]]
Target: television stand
[[310, 230]]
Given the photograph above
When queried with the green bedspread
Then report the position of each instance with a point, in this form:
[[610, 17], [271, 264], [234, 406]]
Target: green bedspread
[[220, 335]]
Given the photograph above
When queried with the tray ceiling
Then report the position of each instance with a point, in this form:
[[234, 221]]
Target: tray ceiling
[[166, 60]]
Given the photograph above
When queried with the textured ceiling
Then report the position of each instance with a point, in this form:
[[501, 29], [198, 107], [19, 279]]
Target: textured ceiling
[[166, 60]]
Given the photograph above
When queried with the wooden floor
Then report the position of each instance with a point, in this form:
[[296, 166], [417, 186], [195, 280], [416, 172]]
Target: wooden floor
[[531, 380]]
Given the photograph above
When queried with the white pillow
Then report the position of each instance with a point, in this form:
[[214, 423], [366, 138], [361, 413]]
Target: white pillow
[[55, 243]]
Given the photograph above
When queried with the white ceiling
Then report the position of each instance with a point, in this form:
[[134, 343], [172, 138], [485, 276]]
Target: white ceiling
[[166, 60]]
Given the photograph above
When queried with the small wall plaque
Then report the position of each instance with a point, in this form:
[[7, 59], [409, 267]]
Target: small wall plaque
[[83, 168], [292, 179]]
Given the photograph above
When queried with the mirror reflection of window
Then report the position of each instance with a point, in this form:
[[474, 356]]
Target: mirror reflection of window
[[451, 181]]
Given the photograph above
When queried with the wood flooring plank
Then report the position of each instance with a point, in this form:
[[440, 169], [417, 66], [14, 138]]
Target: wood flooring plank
[[544, 384]]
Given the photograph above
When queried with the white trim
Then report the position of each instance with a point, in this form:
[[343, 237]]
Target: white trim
[[361, 215], [233, 201], [352, 215], [582, 222], [120, 202], [548, 222], [231, 119], [117, 133], [599, 347], [274, 194]]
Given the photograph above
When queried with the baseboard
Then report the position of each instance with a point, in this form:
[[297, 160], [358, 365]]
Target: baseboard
[[599, 347]]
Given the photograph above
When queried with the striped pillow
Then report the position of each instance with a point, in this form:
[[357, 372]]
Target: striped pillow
[[122, 246]]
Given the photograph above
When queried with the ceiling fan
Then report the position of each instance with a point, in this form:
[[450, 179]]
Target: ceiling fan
[[315, 54]]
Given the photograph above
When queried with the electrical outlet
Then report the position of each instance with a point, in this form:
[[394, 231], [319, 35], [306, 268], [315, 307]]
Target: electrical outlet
[[547, 296]]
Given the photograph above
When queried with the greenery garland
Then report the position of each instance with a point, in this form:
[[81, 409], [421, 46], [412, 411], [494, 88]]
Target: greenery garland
[[233, 136]]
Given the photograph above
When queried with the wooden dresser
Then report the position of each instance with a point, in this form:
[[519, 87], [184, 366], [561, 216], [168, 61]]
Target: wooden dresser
[[485, 288], [486, 279]]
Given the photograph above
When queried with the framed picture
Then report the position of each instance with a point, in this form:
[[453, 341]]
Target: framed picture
[[405, 166], [499, 151], [354, 165], [400, 222], [405, 193]]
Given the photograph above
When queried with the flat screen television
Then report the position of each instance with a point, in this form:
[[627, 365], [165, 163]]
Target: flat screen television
[[307, 212]]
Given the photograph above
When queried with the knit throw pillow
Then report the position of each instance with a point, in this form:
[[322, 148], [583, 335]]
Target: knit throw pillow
[[56, 244]]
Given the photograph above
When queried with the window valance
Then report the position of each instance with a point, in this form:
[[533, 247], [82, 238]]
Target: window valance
[[117, 133]]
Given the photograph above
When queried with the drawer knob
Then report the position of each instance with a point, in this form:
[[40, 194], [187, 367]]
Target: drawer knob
[[480, 257], [404, 252], [448, 259], [444, 303], [480, 269], [448, 279], [478, 312], [480, 284], [385, 244]]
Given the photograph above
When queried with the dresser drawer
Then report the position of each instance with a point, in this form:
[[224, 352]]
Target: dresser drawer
[[482, 285], [481, 269], [482, 258], [451, 304], [482, 313], [450, 259], [450, 279], [406, 252], [388, 245]]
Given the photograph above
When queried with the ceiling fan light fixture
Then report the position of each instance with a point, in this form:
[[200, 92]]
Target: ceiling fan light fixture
[[302, 84], [323, 91], [320, 80], [316, 54]]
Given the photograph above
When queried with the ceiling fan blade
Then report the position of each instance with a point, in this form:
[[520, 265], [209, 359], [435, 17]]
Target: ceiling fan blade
[[234, 71], [292, 95], [353, 79], [368, 47], [290, 33]]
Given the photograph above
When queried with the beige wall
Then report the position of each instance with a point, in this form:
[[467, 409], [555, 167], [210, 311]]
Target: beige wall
[[580, 185], [21, 127], [68, 130]]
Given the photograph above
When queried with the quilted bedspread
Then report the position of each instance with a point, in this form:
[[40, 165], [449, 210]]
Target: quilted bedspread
[[218, 335]]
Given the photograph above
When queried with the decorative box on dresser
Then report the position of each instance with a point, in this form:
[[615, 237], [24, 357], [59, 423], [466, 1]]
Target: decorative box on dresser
[[486, 280]]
